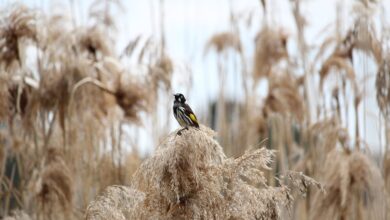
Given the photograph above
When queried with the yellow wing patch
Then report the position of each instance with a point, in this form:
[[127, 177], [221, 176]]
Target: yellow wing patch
[[193, 118]]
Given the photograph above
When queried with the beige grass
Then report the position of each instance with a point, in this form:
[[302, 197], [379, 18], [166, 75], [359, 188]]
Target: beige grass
[[62, 119], [189, 177], [354, 188]]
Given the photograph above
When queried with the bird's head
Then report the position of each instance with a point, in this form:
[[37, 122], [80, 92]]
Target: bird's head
[[180, 97]]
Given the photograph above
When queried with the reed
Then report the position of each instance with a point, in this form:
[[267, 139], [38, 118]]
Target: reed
[[71, 112]]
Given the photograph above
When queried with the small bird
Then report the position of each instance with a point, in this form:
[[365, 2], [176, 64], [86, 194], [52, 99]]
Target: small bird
[[183, 113]]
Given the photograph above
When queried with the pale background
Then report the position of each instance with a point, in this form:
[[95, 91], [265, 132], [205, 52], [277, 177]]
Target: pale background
[[190, 23]]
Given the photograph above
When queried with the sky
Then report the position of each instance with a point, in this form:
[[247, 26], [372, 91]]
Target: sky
[[190, 23]]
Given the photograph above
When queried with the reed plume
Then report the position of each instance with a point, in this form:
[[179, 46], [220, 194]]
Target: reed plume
[[189, 177]]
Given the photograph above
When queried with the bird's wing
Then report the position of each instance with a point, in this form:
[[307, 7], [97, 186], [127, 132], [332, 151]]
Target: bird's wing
[[188, 111]]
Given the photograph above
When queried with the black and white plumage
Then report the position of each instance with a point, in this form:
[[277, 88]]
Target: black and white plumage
[[183, 113]]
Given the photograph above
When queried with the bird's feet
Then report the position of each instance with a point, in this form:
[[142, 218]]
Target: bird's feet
[[179, 131]]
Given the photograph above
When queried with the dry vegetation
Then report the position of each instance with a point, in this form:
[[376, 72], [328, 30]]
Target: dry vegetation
[[67, 97], [189, 177]]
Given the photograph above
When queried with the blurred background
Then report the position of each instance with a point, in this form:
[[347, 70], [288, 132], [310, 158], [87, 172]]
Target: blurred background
[[86, 94]]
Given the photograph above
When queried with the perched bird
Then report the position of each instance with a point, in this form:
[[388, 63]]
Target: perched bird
[[183, 113]]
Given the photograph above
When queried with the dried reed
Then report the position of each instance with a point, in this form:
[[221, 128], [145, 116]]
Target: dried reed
[[354, 188], [189, 177], [271, 47], [81, 96]]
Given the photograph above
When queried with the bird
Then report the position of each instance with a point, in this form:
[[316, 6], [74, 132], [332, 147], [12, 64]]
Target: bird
[[183, 113]]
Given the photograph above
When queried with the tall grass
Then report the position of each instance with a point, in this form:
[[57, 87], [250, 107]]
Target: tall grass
[[67, 98], [189, 177]]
